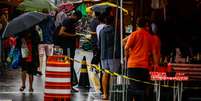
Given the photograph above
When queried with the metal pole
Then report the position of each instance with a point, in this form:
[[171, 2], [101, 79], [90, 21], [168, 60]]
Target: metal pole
[[121, 35], [1, 49]]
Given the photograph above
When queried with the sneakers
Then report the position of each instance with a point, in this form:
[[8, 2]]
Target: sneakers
[[74, 90]]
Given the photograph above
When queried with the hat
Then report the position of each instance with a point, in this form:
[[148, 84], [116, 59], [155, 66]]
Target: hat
[[78, 14]]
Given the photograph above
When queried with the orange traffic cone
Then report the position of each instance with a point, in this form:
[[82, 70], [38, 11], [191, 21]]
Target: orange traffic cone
[[84, 77]]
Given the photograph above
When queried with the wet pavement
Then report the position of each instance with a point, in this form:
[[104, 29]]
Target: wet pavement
[[10, 83]]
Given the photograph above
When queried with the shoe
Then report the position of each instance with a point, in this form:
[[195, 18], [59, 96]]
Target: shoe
[[39, 73], [96, 95], [22, 88], [74, 90], [31, 90]]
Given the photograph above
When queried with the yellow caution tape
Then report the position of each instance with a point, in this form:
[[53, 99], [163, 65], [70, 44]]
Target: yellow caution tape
[[98, 68]]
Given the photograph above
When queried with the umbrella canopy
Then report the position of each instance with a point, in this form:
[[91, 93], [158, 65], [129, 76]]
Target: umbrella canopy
[[66, 7], [36, 5], [101, 7], [23, 22]]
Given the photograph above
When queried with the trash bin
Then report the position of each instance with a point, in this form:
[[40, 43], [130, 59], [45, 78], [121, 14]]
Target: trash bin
[[57, 79]]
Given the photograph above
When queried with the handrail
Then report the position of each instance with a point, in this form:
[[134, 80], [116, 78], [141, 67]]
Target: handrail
[[183, 65]]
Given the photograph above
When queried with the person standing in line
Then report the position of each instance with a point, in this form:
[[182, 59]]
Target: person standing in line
[[93, 25], [156, 44], [110, 53], [137, 51], [94, 22], [66, 38]]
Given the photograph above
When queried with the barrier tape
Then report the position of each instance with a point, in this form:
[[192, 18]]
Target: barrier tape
[[124, 76]]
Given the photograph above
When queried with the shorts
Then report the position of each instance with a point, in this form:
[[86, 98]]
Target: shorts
[[138, 89], [46, 49], [111, 64], [141, 74]]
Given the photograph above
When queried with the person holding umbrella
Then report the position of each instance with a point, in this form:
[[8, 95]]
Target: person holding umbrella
[[28, 42]]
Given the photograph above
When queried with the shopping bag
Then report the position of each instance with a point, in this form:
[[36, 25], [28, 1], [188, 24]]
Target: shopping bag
[[25, 52], [14, 58], [24, 49], [95, 81]]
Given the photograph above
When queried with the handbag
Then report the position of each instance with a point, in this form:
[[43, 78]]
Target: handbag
[[24, 49]]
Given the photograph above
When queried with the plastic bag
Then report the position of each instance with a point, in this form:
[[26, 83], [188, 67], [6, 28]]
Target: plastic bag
[[95, 81], [25, 52], [24, 49], [14, 58]]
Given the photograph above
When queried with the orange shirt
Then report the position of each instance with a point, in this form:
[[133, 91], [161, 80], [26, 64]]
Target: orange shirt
[[139, 47]]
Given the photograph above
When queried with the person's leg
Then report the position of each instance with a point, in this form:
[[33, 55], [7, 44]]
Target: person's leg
[[41, 50], [137, 89], [71, 52], [30, 82], [23, 78], [105, 80], [129, 96], [130, 89], [50, 49]]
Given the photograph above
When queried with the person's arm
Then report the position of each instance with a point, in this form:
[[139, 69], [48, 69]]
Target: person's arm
[[126, 52], [129, 41], [155, 60], [125, 40], [65, 34], [92, 33], [156, 52]]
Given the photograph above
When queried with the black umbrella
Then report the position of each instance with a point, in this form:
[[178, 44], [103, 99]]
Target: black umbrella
[[23, 22]]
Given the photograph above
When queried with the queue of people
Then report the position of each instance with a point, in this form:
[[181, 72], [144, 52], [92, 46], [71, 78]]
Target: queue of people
[[142, 52], [142, 49]]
